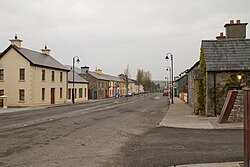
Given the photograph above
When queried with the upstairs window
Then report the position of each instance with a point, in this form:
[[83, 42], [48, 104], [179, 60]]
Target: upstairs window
[[52, 75], [43, 75], [21, 74], [61, 76], [1, 74]]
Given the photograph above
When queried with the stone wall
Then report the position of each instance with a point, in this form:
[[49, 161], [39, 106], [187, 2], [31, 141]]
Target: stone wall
[[218, 84]]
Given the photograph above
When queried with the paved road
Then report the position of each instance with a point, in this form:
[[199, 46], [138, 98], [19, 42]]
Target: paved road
[[109, 133]]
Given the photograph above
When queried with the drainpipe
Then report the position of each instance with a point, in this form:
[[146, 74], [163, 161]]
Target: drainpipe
[[215, 94]]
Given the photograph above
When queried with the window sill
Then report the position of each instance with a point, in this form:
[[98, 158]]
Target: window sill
[[21, 101], [21, 81]]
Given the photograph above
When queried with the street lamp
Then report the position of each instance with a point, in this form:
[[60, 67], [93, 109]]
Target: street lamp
[[172, 74], [169, 69], [73, 91]]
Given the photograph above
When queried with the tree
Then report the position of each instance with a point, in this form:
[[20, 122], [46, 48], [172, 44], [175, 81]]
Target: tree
[[125, 77], [139, 78], [146, 81]]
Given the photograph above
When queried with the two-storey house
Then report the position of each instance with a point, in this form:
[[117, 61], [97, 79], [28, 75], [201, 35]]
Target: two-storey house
[[31, 78]]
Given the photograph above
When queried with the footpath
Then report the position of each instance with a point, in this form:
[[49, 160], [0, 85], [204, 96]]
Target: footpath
[[181, 115]]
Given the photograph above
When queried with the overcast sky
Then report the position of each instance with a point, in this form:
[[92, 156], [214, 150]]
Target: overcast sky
[[109, 34]]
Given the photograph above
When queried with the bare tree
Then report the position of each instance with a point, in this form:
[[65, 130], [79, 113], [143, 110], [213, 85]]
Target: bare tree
[[125, 77], [146, 81], [139, 78]]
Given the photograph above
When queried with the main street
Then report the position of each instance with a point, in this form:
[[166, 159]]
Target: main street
[[110, 132]]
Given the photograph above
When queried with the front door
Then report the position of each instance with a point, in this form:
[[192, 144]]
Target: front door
[[52, 101]]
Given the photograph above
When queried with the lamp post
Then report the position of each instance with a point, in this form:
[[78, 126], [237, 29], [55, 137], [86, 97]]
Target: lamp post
[[73, 90], [172, 74]]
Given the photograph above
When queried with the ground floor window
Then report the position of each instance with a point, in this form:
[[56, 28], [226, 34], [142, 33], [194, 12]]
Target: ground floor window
[[21, 95], [69, 93], [43, 93], [85, 92], [61, 93], [1, 92], [80, 92]]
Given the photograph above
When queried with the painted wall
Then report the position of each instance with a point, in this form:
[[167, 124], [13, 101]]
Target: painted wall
[[11, 62], [77, 86]]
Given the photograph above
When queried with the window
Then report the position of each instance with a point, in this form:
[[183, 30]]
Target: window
[[21, 74], [21, 95], [1, 74], [69, 93], [43, 93], [85, 92], [61, 76], [75, 93], [60, 93], [80, 92], [1, 92], [52, 75], [43, 75]]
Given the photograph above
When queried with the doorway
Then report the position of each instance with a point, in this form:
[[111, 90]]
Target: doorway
[[52, 99]]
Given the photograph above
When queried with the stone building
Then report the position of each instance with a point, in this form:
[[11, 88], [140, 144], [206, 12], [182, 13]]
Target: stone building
[[102, 85], [224, 58], [194, 76]]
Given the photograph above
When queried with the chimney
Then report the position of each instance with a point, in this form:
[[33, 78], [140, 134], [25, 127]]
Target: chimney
[[98, 71], [46, 51], [235, 30], [17, 42], [84, 70], [221, 36]]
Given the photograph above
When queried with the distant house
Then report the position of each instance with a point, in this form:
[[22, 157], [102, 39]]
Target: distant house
[[222, 60], [31, 78], [181, 87], [102, 85], [80, 88], [194, 76]]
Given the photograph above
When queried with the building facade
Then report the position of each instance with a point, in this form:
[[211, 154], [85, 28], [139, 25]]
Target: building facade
[[224, 58], [80, 88], [30, 78]]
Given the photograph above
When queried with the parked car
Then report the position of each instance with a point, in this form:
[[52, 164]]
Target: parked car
[[129, 94], [165, 93]]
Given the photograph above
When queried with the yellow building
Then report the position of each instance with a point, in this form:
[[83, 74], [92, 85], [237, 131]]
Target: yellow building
[[80, 88], [31, 78]]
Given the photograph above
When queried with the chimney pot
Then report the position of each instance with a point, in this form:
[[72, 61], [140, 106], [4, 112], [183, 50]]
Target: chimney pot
[[17, 42], [221, 34], [231, 21], [46, 51], [238, 21]]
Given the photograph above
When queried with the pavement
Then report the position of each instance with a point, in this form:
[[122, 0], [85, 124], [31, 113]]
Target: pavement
[[181, 115]]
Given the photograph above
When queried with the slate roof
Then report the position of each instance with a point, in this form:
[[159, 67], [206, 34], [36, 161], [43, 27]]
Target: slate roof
[[227, 55], [105, 77], [37, 58], [78, 78]]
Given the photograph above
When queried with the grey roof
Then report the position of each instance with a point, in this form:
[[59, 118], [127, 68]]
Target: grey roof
[[106, 77], [227, 55], [37, 58], [70, 67], [78, 78]]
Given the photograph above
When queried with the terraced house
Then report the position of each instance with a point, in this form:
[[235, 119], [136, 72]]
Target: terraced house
[[102, 85], [31, 78]]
